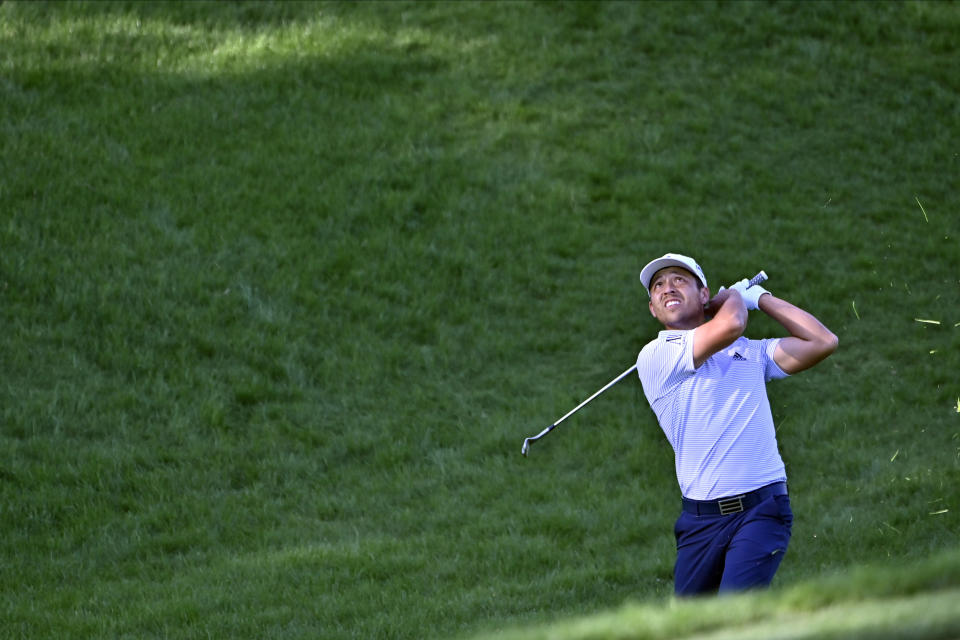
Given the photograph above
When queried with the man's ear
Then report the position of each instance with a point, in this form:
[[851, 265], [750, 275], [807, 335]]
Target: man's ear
[[650, 305], [704, 295]]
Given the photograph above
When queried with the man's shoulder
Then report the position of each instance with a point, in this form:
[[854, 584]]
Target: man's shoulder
[[669, 337], [668, 340], [664, 361]]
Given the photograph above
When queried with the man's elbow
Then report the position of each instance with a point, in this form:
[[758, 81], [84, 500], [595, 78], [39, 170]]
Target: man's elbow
[[736, 321], [734, 328], [740, 326], [829, 343]]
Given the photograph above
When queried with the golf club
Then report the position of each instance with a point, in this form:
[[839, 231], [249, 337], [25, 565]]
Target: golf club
[[757, 279]]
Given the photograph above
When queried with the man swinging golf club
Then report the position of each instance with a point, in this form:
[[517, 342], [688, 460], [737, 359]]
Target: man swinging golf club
[[706, 383]]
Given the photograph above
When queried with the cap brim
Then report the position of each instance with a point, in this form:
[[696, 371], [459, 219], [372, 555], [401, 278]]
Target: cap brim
[[662, 263], [647, 273]]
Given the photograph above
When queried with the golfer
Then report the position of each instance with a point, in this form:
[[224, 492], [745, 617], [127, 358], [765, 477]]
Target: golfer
[[706, 383]]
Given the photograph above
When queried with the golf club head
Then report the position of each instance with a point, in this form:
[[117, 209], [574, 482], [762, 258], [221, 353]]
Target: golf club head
[[526, 447]]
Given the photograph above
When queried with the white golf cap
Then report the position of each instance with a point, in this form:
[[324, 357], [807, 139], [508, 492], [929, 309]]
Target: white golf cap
[[670, 260]]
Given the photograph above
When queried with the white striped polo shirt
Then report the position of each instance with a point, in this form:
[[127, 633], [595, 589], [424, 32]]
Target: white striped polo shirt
[[717, 418]]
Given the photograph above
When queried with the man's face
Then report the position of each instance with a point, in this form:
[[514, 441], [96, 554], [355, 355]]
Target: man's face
[[676, 299]]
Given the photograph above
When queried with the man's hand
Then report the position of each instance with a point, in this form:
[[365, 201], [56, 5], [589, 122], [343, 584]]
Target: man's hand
[[750, 295]]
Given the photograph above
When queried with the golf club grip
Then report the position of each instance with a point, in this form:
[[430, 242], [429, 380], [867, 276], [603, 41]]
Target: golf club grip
[[757, 279]]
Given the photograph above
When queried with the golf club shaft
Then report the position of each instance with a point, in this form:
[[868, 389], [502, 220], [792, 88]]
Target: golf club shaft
[[757, 279], [526, 443], [584, 403]]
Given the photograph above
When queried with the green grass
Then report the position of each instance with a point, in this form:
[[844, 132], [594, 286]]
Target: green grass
[[867, 602], [283, 287]]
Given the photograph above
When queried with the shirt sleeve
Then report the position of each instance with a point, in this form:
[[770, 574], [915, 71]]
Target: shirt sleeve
[[665, 363], [772, 370]]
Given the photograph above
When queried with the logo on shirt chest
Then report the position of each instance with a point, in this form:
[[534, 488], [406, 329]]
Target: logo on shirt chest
[[732, 357]]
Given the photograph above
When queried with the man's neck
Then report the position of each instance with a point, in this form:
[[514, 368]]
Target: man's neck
[[685, 325]]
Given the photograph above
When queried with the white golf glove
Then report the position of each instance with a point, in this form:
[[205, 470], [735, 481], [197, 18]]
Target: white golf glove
[[750, 295]]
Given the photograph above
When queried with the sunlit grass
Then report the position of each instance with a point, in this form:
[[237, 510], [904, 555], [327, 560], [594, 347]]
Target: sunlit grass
[[864, 603]]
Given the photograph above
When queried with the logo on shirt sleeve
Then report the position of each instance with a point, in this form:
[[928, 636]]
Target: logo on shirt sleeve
[[737, 356]]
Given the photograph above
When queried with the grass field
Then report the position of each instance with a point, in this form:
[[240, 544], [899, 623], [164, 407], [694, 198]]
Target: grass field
[[284, 286], [861, 603]]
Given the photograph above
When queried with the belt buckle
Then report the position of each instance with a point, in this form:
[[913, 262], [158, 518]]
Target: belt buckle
[[730, 505]]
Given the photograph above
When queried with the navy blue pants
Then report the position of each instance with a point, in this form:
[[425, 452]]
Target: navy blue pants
[[735, 552]]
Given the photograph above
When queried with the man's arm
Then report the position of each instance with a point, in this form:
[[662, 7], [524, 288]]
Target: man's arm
[[713, 306], [809, 341], [728, 323]]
